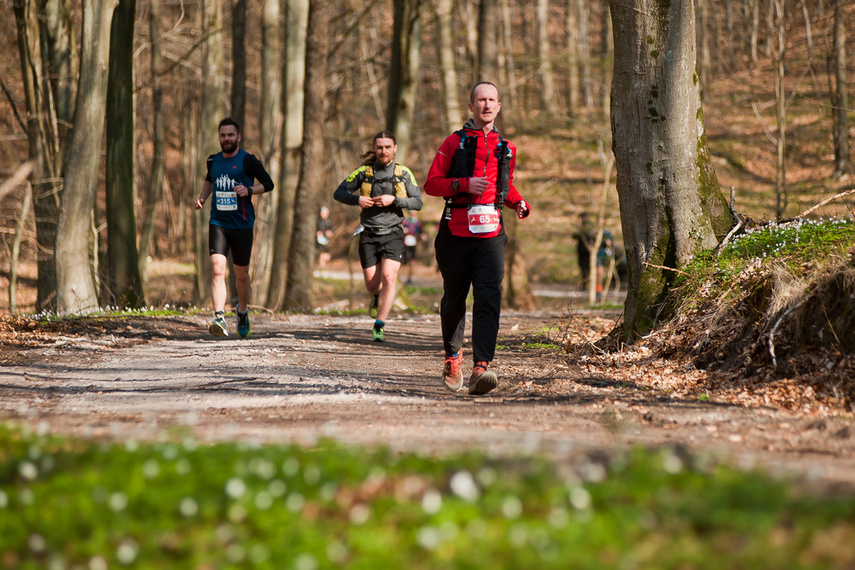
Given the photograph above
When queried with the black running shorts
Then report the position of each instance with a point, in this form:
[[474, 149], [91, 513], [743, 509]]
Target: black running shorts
[[221, 240], [373, 247]]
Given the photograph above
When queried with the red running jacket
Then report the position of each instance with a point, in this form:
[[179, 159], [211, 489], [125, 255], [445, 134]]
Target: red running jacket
[[486, 164]]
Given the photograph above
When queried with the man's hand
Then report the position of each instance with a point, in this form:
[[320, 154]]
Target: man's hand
[[242, 191], [384, 200], [365, 202], [477, 185], [522, 209], [198, 203]]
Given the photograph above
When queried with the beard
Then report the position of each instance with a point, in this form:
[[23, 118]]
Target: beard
[[228, 147]]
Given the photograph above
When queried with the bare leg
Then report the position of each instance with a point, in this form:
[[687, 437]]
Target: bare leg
[[218, 281], [389, 277], [243, 286]]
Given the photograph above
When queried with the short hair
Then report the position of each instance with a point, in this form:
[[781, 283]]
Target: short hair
[[384, 135], [477, 85], [229, 121]]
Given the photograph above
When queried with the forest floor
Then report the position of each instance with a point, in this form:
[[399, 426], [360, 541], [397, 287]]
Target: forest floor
[[300, 378]]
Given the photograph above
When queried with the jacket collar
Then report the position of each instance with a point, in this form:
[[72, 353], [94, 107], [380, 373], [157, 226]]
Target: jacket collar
[[470, 126]]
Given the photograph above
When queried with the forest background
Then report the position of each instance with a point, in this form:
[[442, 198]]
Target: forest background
[[404, 65]]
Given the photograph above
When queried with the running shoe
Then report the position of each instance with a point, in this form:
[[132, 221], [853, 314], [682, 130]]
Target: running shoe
[[372, 309], [377, 334], [243, 328], [482, 380], [218, 327], [452, 377]]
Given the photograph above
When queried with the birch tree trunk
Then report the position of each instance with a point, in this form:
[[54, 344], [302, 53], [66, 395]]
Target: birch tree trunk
[[43, 147], [301, 259], [404, 72], [445, 48], [123, 284], [670, 202], [270, 136], [296, 18], [213, 89], [75, 284], [544, 67]]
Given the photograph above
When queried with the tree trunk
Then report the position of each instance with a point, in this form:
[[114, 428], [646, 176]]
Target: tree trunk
[[544, 67], [404, 72], [606, 57], [64, 68], [301, 258], [841, 118], [213, 90], [75, 284], [297, 16], [571, 29], [488, 62], [158, 137], [753, 31], [43, 147], [507, 63], [778, 53], [445, 48], [671, 206], [270, 135], [16, 249], [123, 285], [585, 53], [238, 101], [703, 46]]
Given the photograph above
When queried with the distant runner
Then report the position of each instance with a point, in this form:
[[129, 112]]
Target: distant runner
[[231, 178], [383, 189]]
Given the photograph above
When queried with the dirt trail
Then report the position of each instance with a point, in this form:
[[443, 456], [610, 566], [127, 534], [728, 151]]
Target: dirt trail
[[301, 378]]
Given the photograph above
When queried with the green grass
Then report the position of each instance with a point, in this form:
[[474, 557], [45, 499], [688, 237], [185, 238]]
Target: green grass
[[79, 504], [794, 245]]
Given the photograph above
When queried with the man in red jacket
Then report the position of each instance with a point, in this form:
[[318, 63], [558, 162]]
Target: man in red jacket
[[474, 171]]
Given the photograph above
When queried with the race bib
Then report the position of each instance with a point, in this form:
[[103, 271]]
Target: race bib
[[226, 201], [483, 218], [410, 240]]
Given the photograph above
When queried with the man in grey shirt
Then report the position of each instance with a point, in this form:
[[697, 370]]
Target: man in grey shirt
[[382, 188]]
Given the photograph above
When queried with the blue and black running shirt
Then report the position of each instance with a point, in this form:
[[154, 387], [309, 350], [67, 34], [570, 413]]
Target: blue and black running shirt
[[228, 210]]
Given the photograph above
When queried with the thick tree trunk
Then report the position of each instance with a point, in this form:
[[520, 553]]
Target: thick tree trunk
[[445, 48], [158, 137], [404, 72], [841, 118], [544, 67], [123, 286], [213, 78], [301, 259], [43, 147], [297, 16], [75, 284], [270, 135], [671, 205]]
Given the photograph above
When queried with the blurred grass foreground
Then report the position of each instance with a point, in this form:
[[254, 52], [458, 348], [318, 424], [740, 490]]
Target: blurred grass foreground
[[90, 505]]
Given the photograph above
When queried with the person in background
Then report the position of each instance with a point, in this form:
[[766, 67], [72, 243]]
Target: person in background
[[383, 189], [233, 177], [323, 235], [412, 235], [473, 170]]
